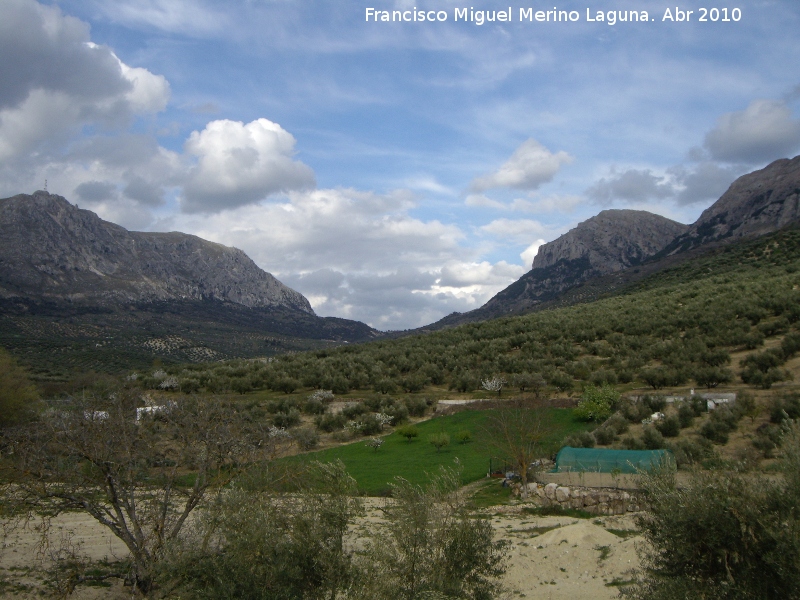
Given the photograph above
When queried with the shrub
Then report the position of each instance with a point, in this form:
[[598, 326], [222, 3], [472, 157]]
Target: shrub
[[669, 427], [314, 407], [330, 422], [597, 403], [605, 435], [722, 536], [652, 438], [416, 406], [631, 443], [439, 440], [463, 436], [768, 439], [431, 547], [685, 415], [408, 431], [584, 439], [265, 548], [784, 407], [286, 420], [306, 437], [618, 423], [354, 410]]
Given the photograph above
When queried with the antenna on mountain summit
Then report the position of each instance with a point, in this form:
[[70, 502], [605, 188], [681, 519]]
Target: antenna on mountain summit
[[45, 185]]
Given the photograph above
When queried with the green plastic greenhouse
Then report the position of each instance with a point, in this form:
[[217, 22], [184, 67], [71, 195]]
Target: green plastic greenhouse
[[601, 460]]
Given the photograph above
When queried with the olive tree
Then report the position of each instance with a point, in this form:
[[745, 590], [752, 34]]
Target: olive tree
[[724, 535], [139, 477], [259, 542], [430, 546]]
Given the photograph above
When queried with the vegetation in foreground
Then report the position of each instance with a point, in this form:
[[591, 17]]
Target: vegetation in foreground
[[726, 535]]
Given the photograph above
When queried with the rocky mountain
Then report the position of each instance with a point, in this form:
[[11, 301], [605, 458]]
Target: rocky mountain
[[52, 249], [757, 203], [97, 296], [611, 241], [619, 247]]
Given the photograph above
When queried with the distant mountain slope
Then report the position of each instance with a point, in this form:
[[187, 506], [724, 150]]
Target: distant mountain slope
[[52, 249], [757, 203], [80, 293], [618, 247]]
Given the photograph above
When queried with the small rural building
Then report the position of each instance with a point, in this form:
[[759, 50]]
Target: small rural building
[[606, 460]]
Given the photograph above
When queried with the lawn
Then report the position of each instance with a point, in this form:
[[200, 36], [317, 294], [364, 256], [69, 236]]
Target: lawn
[[374, 470]]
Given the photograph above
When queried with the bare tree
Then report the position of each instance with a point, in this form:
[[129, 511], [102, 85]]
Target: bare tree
[[517, 432], [139, 478]]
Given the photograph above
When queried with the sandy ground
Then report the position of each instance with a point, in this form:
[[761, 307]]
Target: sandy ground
[[549, 557]]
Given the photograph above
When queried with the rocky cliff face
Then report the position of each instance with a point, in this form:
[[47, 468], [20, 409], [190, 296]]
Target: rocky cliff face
[[611, 241], [757, 203], [51, 249]]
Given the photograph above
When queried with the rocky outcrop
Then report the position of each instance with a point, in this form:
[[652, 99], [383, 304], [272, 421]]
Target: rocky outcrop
[[756, 204], [609, 242], [53, 250]]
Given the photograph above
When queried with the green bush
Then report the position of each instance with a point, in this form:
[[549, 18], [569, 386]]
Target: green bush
[[463, 437], [431, 547], [408, 431], [669, 427], [605, 435], [685, 415], [584, 439], [596, 403], [439, 440], [723, 536], [652, 438], [306, 437], [286, 420], [416, 406], [330, 422], [254, 544]]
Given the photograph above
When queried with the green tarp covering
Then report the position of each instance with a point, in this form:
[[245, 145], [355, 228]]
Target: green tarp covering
[[600, 460]]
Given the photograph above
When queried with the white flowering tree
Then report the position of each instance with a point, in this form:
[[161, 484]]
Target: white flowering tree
[[494, 384]]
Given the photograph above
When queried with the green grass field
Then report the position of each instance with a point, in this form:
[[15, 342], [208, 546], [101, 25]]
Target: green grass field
[[375, 470]]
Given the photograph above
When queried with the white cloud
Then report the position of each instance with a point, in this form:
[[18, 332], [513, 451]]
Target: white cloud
[[241, 163], [531, 251], [763, 132], [359, 255], [176, 16], [530, 166], [518, 230]]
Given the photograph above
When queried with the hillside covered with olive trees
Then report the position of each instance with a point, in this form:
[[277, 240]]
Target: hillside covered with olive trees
[[678, 326]]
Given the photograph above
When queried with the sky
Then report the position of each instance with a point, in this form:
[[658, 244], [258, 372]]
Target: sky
[[392, 172]]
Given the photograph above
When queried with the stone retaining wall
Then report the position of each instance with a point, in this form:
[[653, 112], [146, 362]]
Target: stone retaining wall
[[600, 501]]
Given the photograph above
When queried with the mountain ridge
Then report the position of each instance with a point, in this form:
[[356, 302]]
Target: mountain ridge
[[755, 204]]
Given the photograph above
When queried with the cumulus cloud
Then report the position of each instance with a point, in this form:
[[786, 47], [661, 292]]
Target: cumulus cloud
[[59, 81], [359, 254], [633, 185], [519, 230], [240, 163], [530, 166], [764, 131]]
